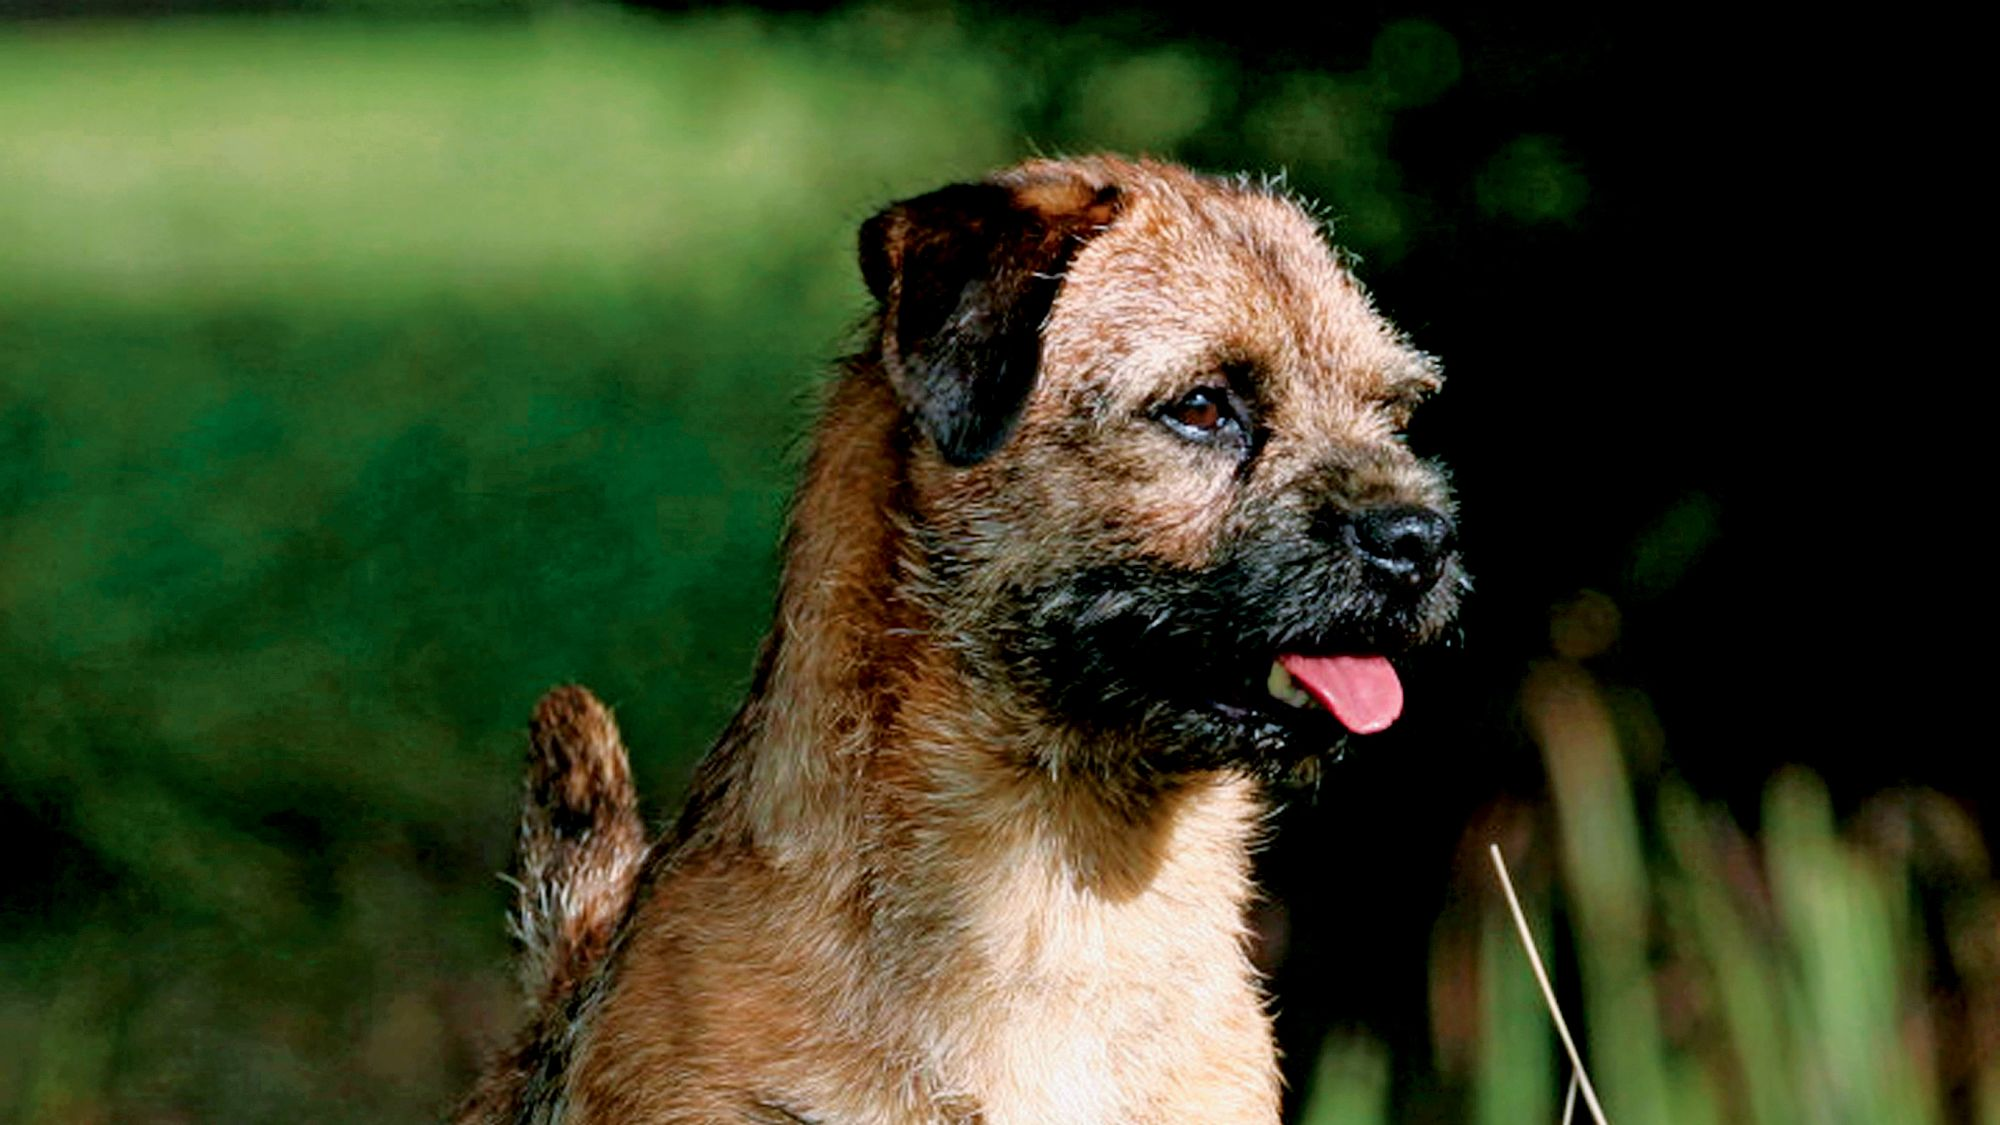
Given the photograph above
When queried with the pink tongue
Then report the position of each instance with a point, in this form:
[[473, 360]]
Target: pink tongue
[[1361, 691]]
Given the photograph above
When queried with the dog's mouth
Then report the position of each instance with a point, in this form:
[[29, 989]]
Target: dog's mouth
[[1319, 698], [1362, 691], [1231, 665]]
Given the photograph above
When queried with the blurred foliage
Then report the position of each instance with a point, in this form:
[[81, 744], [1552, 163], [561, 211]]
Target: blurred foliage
[[360, 378], [1813, 975]]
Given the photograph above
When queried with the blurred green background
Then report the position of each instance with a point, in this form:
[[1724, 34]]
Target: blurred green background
[[367, 369]]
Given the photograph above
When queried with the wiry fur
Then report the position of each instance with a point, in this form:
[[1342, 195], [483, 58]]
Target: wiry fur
[[581, 841], [976, 847], [577, 863]]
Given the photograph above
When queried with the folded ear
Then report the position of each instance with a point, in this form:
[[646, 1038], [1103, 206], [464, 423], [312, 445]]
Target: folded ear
[[965, 276]]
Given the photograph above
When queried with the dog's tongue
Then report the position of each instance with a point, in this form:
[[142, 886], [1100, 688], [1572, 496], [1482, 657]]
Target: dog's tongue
[[1361, 691]]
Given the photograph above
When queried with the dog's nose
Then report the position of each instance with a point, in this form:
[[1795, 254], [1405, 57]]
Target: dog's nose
[[1404, 546]]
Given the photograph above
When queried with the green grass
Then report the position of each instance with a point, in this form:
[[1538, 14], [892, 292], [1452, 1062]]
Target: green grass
[[205, 164]]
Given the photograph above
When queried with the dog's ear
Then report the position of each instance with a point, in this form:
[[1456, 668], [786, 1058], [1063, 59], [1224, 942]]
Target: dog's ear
[[965, 276]]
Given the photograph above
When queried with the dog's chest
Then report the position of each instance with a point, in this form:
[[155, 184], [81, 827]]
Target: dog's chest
[[1089, 1007]]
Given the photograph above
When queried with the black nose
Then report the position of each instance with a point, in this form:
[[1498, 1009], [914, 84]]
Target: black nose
[[1403, 546]]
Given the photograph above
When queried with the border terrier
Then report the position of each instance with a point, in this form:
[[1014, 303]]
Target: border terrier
[[1110, 523]]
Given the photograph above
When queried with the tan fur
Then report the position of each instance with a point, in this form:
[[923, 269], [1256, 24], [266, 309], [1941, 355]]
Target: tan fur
[[904, 891]]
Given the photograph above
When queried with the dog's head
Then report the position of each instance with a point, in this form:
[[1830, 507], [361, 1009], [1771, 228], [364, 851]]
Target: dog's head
[[1159, 472]]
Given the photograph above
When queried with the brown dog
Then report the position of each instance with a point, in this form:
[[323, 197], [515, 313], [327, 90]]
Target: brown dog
[[1113, 495]]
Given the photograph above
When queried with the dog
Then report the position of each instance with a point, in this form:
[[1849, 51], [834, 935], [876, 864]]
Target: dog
[[1109, 524]]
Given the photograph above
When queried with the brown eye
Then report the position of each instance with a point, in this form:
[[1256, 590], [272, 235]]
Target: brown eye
[[1209, 415], [1198, 411]]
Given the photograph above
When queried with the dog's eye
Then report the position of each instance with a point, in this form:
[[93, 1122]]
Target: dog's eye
[[1198, 411], [1204, 414]]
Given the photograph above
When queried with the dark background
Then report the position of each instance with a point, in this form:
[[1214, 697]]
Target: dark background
[[365, 370]]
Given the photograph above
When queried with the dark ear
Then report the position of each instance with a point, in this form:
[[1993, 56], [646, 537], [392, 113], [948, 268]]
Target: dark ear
[[965, 276]]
